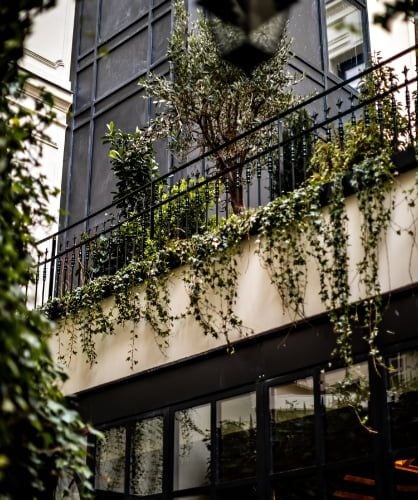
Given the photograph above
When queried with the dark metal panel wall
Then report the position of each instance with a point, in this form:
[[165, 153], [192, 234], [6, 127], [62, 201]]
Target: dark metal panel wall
[[113, 48]]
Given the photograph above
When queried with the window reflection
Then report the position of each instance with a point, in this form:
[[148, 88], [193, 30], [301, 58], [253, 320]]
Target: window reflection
[[345, 38], [403, 399], [110, 460], [292, 424], [237, 437], [403, 410], [147, 457], [356, 482], [243, 493], [346, 402], [406, 477], [192, 447], [296, 488]]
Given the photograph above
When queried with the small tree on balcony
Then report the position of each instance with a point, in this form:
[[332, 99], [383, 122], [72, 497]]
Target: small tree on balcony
[[209, 102]]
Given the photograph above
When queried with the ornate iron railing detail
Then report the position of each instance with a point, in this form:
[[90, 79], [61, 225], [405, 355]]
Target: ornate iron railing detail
[[278, 162]]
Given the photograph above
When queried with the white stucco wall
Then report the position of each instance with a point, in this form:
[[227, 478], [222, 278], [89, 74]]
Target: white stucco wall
[[47, 57], [388, 43], [258, 303]]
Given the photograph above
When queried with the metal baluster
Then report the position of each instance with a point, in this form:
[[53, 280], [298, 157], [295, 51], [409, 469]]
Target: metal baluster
[[161, 217], [394, 110], [408, 106], [169, 211], [280, 165], [144, 228], [187, 203], [37, 280], [327, 110], [80, 264], [293, 159], [366, 116], [109, 246], [340, 123], [227, 196], [127, 237], [258, 176], [197, 204], [64, 289], [217, 200], [248, 182], [179, 222], [135, 233], [207, 202], [44, 277], [52, 267], [353, 116], [58, 274], [304, 151], [270, 174], [314, 117], [118, 237], [86, 260], [72, 264], [151, 211], [238, 184]]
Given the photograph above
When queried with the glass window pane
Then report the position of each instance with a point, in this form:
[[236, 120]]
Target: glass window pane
[[406, 476], [242, 493], [195, 497], [84, 87], [114, 20], [296, 487], [403, 399], [237, 429], [345, 38], [292, 424], [192, 447], [356, 481], [122, 64], [88, 25], [110, 460], [147, 457], [346, 405], [160, 35]]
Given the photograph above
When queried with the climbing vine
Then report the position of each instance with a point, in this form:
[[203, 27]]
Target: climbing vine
[[309, 223]]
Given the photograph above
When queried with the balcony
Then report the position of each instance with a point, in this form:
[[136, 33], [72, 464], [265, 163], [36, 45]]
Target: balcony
[[217, 185]]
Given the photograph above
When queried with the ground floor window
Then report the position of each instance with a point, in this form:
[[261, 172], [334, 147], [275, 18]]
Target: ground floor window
[[305, 435]]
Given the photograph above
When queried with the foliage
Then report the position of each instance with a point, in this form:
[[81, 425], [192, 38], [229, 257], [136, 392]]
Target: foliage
[[392, 9], [133, 162], [210, 102], [308, 224], [41, 439]]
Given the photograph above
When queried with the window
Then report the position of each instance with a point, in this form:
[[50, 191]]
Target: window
[[147, 457], [192, 432], [110, 460], [292, 424], [306, 436], [346, 39]]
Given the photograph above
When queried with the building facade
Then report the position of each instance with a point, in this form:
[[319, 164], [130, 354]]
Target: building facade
[[47, 59], [191, 420]]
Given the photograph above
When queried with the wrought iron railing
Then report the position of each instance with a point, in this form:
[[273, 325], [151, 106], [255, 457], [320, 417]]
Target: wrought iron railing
[[247, 171]]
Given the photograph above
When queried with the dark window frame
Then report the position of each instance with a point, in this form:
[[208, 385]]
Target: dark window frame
[[265, 476]]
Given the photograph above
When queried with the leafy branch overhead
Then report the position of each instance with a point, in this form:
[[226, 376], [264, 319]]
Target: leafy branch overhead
[[42, 440]]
